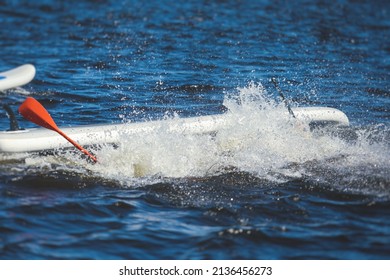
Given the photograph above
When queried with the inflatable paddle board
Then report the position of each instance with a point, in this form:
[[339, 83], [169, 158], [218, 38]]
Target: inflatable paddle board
[[40, 139], [17, 77]]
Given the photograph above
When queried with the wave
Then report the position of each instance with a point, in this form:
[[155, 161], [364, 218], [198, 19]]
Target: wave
[[256, 141]]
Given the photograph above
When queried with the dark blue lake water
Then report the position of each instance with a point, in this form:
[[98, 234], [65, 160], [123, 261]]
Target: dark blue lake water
[[278, 195]]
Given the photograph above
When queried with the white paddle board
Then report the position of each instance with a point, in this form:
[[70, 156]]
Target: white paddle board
[[17, 77], [39, 139]]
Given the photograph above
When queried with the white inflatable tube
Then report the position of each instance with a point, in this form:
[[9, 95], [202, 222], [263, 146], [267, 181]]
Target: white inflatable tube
[[39, 139]]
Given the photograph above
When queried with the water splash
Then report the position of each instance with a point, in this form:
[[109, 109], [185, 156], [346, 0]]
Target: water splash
[[256, 140]]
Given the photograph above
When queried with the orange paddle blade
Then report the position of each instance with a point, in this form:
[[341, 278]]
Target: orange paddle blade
[[33, 111]]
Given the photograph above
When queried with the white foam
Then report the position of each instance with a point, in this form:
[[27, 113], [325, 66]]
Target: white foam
[[255, 140]]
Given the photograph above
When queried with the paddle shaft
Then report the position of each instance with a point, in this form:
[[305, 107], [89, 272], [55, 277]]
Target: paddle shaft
[[76, 144], [283, 98]]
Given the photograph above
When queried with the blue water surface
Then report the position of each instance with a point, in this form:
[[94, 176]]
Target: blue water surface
[[116, 61]]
